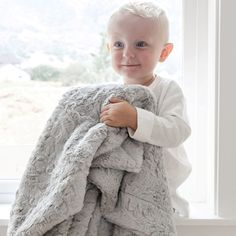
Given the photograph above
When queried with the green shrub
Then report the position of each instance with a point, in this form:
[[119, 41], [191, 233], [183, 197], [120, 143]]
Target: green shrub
[[73, 74], [45, 73]]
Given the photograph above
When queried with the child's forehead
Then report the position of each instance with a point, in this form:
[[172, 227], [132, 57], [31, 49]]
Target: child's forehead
[[127, 18], [126, 23]]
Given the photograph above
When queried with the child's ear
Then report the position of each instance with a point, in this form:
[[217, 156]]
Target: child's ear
[[168, 47], [108, 47]]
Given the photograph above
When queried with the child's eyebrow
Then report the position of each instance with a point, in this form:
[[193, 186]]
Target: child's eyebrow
[[115, 34]]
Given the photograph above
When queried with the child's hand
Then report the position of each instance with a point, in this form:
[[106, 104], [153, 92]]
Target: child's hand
[[119, 113]]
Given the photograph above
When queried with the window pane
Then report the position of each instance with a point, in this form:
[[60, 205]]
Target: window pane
[[46, 47]]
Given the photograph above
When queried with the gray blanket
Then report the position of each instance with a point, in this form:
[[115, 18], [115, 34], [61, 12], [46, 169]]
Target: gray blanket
[[87, 179]]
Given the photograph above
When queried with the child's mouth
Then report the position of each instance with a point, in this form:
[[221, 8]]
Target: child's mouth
[[131, 68], [131, 65]]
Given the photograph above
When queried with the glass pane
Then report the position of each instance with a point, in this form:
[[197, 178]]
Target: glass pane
[[46, 47]]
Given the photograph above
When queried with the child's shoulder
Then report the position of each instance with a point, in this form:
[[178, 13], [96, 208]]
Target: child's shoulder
[[168, 86], [164, 81]]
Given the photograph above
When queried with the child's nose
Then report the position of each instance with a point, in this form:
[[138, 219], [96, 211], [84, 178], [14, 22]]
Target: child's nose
[[128, 52]]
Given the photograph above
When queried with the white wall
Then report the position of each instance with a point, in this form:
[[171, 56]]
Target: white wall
[[3, 230], [227, 109]]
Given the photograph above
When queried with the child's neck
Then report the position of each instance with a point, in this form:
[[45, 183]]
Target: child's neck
[[147, 82]]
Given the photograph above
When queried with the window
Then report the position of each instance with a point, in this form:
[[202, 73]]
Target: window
[[40, 58]]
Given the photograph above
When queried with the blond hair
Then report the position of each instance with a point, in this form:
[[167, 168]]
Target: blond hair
[[145, 9]]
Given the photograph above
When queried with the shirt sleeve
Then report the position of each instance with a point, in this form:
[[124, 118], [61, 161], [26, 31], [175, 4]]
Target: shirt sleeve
[[170, 127]]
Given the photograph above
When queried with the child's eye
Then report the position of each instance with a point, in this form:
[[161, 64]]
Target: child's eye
[[118, 44], [141, 44]]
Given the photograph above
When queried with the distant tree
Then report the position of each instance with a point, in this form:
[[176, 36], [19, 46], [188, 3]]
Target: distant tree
[[101, 67], [74, 73], [45, 73], [101, 59], [95, 70]]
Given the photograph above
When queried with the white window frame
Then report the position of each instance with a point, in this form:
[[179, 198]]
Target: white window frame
[[209, 55], [219, 69]]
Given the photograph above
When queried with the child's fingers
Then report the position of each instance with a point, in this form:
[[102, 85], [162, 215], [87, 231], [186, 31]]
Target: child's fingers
[[105, 108], [104, 118], [115, 100], [104, 113], [109, 123]]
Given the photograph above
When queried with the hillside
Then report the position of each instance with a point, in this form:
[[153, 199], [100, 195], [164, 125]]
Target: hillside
[[58, 28]]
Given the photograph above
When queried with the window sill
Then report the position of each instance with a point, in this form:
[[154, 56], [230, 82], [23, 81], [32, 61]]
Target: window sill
[[205, 221], [197, 218], [201, 215]]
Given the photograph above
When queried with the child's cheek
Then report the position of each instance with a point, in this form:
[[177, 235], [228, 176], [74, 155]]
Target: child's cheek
[[148, 59], [116, 58], [116, 62]]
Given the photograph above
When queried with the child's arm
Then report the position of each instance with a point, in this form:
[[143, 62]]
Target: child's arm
[[170, 127], [167, 129]]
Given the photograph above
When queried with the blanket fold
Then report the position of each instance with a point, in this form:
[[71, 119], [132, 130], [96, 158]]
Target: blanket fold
[[87, 179]]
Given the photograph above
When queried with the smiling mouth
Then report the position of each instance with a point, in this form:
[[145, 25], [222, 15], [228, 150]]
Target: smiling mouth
[[130, 65]]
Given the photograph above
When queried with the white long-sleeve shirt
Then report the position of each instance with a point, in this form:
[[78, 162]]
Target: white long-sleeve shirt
[[168, 128]]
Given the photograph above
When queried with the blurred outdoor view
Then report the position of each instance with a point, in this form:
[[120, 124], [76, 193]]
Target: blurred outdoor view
[[46, 47]]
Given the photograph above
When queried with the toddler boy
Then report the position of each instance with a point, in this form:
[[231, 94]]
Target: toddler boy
[[138, 41]]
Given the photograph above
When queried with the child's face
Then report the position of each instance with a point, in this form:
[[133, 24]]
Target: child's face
[[135, 46]]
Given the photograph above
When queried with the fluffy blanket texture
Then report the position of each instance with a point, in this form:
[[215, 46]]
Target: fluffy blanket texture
[[87, 179]]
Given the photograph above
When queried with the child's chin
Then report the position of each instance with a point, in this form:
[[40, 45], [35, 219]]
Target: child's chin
[[131, 73], [131, 69]]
